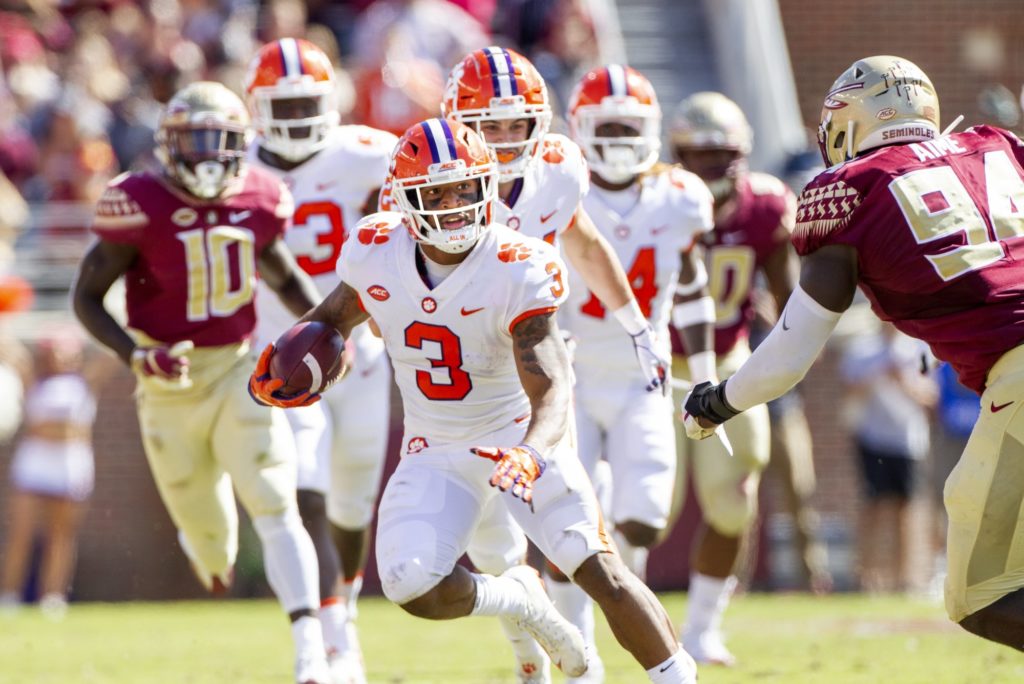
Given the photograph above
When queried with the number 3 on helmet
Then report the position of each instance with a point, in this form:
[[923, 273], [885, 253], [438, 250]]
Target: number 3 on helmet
[[292, 93], [438, 152]]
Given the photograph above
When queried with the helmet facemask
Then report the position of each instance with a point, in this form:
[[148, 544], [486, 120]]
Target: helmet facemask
[[619, 158], [515, 157], [203, 158], [477, 187], [295, 118]]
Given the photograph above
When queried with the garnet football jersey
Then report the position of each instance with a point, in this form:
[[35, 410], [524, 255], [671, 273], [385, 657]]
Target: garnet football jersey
[[330, 191], [451, 346], [937, 226], [671, 210], [550, 191], [195, 274]]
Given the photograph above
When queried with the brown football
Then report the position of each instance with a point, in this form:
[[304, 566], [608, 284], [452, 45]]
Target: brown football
[[308, 357]]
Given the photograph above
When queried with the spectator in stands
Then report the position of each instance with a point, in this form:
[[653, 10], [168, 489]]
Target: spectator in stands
[[52, 472], [890, 399], [402, 53]]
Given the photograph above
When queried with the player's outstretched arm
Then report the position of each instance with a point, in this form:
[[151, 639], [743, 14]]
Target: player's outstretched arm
[[102, 264], [828, 281], [543, 365], [596, 262], [278, 268]]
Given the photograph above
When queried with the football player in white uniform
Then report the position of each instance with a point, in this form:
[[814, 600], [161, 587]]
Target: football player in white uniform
[[334, 173], [466, 309], [542, 181], [652, 216]]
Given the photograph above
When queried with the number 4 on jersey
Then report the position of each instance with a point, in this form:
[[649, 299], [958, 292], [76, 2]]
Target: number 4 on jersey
[[641, 277]]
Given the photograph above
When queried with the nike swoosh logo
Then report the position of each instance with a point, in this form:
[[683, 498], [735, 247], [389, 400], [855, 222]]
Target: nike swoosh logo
[[659, 229], [470, 312], [664, 669], [236, 216], [544, 217], [997, 409], [785, 326], [324, 186]]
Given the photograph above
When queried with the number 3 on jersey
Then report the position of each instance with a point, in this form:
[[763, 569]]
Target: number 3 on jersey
[[642, 281], [459, 383], [323, 256]]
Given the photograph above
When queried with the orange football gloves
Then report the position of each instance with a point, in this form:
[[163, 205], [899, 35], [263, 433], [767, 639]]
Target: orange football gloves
[[263, 388], [515, 469]]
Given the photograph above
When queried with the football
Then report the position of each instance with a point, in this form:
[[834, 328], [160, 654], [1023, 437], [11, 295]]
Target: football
[[308, 357]]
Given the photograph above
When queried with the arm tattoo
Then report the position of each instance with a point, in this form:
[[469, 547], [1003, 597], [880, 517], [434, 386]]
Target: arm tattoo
[[528, 335]]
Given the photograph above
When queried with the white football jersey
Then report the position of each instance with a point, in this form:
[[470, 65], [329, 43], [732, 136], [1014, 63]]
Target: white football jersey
[[330, 190], [670, 211], [552, 188], [451, 346]]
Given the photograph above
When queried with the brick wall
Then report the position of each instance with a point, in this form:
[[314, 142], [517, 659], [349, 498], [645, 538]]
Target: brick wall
[[962, 46]]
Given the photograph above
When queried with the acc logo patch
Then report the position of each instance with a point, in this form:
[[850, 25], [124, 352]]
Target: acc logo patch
[[885, 114], [378, 292], [429, 305]]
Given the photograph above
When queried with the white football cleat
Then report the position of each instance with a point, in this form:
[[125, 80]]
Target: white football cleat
[[312, 669], [532, 664], [556, 635], [708, 648], [346, 668], [594, 673]]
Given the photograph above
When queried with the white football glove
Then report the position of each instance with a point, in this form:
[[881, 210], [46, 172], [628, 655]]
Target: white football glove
[[654, 365]]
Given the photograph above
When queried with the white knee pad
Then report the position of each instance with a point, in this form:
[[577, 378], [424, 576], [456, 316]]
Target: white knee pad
[[290, 560], [407, 561]]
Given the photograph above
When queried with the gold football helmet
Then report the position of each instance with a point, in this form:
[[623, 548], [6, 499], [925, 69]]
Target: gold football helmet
[[878, 101], [202, 138], [711, 121]]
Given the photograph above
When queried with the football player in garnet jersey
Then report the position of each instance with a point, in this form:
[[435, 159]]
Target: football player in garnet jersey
[[543, 179], [189, 242], [335, 174], [754, 215], [931, 227], [466, 308], [651, 215]]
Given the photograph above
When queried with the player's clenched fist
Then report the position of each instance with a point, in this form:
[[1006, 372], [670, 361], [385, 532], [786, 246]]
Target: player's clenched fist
[[263, 387], [704, 409], [164, 363], [515, 469]]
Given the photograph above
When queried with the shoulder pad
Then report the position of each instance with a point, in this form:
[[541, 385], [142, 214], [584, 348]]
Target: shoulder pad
[[825, 207]]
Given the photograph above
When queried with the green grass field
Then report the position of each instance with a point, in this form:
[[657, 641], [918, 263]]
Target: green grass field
[[778, 638]]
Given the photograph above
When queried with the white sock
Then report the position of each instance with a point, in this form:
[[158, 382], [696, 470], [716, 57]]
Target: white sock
[[499, 596], [307, 637], [678, 669], [290, 560], [350, 592], [708, 599], [634, 557], [333, 616], [574, 604]]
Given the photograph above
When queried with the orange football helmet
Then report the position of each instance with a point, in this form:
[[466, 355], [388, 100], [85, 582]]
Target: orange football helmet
[[616, 94], [497, 84], [291, 91], [438, 152]]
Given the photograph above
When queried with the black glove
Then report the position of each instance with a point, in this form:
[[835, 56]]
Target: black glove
[[708, 401]]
